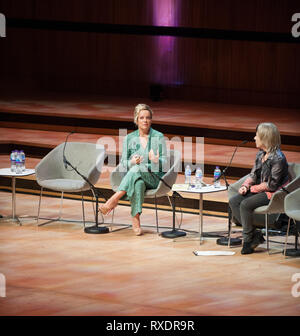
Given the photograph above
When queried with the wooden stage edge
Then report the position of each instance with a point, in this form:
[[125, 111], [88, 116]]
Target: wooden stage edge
[[178, 114]]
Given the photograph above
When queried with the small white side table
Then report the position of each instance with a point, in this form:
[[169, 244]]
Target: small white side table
[[8, 172], [204, 190]]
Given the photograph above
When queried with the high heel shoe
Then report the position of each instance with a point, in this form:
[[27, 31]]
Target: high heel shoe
[[105, 210], [137, 230]]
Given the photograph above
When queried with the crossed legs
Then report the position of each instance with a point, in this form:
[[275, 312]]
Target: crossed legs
[[243, 207], [113, 202]]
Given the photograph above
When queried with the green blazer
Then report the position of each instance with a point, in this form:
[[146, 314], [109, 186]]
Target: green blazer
[[132, 146]]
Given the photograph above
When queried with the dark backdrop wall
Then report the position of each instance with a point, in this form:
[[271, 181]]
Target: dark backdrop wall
[[231, 51]]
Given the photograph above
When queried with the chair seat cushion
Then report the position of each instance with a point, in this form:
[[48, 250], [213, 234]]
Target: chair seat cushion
[[151, 193], [261, 210], [65, 185]]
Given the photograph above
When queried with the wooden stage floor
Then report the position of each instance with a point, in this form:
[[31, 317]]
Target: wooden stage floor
[[57, 269]]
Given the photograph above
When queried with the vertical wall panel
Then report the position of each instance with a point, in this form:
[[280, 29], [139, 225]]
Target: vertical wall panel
[[187, 68]]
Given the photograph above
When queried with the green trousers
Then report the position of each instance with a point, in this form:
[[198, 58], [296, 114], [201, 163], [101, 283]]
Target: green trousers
[[135, 183]]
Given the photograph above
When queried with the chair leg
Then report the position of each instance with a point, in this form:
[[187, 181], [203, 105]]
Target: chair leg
[[60, 210], [286, 237], [83, 216], [267, 232], [61, 205], [229, 225], [112, 219], [39, 208], [296, 235], [93, 196], [156, 215]]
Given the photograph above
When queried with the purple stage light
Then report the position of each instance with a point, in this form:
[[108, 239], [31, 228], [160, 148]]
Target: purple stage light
[[166, 14]]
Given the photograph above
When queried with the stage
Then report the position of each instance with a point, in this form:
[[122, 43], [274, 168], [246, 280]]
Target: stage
[[57, 269], [211, 72], [38, 123]]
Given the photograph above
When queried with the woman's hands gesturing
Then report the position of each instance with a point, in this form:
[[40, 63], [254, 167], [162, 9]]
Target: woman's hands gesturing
[[152, 157]]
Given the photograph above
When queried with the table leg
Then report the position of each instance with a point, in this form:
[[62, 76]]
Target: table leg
[[200, 216], [13, 197]]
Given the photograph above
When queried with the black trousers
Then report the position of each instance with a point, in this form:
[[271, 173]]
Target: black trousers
[[243, 206]]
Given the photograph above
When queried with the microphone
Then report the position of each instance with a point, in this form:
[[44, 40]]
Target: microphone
[[285, 190], [224, 171], [65, 161]]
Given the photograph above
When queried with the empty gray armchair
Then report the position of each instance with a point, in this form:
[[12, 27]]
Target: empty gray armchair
[[292, 210], [51, 172], [170, 177]]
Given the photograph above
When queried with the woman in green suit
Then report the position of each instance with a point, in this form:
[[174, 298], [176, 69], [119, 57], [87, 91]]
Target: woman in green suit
[[143, 159]]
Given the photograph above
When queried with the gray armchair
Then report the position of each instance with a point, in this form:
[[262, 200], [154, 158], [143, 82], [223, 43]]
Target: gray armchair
[[292, 210], [52, 174], [267, 214], [170, 177]]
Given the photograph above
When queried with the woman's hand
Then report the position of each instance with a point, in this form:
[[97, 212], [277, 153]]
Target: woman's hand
[[243, 190], [136, 159], [152, 157]]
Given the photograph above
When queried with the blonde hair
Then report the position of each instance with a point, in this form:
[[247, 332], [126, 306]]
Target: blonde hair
[[138, 109], [269, 136]]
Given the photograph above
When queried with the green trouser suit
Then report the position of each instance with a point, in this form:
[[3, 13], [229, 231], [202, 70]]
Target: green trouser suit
[[138, 179]]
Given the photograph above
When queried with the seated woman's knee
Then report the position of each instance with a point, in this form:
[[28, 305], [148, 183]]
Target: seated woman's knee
[[234, 200], [246, 205], [140, 185]]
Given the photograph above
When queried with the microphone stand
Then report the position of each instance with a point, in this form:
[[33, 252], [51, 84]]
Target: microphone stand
[[228, 240], [92, 229], [174, 233]]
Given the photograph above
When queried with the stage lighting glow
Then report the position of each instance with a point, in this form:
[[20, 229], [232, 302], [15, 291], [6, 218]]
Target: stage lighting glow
[[165, 13]]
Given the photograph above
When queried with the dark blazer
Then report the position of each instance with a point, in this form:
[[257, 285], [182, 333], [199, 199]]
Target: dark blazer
[[274, 171]]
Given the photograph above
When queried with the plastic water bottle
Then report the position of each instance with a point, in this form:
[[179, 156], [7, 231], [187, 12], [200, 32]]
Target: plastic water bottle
[[217, 173], [13, 161], [18, 163], [199, 176], [22, 160], [188, 173]]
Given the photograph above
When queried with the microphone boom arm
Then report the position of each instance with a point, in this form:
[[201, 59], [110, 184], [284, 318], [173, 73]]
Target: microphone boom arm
[[96, 228]]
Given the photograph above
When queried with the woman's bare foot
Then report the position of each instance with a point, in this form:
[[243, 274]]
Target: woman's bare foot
[[104, 209], [136, 225], [110, 204]]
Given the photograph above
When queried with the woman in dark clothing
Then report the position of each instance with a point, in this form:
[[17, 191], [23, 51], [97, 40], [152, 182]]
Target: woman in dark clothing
[[269, 173]]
